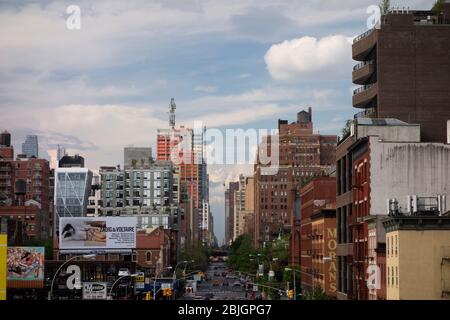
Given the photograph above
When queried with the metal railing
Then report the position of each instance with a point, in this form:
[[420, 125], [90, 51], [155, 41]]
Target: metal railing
[[368, 113], [363, 35], [362, 89], [362, 65]]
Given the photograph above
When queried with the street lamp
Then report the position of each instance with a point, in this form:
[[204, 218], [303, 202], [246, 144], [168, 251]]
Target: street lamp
[[295, 285], [86, 256], [120, 278], [154, 282]]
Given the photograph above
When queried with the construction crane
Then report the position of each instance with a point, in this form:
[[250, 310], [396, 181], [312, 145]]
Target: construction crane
[[172, 109]]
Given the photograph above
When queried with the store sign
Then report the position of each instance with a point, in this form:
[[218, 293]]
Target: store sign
[[331, 245], [140, 281], [97, 233], [94, 291]]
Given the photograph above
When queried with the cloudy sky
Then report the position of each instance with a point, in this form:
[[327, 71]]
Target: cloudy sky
[[230, 64]]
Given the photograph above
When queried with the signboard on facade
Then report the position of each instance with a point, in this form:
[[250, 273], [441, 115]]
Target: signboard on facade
[[3, 252], [25, 267], [140, 281], [97, 233], [94, 291]]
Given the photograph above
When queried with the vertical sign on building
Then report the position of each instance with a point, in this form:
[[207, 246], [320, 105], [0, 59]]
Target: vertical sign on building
[[3, 253]]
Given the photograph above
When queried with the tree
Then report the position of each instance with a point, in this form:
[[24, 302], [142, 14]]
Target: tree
[[316, 294], [438, 6], [347, 129], [385, 6]]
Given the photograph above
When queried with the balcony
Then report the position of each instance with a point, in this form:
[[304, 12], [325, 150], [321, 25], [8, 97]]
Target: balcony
[[368, 113], [363, 44], [363, 71], [364, 95]]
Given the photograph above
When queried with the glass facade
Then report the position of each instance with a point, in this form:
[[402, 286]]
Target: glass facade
[[72, 189]]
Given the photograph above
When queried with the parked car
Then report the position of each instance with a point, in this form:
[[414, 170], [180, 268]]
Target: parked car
[[123, 272], [236, 284]]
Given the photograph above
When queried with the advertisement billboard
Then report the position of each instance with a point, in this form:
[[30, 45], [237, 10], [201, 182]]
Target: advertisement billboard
[[97, 233], [94, 291], [25, 267]]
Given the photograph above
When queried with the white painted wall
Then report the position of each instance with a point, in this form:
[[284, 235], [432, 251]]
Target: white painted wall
[[401, 169]]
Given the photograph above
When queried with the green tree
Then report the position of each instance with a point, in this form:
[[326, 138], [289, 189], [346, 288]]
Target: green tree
[[239, 255], [316, 294], [347, 128]]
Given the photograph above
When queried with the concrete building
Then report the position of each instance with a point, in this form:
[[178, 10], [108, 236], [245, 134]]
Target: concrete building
[[30, 147], [418, 257], [229, 211], [146, 193], [404, 71], [302, 156], [72, 190], [381, 164]]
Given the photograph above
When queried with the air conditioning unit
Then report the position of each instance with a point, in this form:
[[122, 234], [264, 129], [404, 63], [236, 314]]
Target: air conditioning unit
[[392, 206], [411, 204]]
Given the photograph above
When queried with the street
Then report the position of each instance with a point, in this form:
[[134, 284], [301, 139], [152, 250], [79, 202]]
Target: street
[[219, 284]]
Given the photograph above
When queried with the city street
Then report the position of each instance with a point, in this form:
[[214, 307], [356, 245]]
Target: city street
[[219, 284]]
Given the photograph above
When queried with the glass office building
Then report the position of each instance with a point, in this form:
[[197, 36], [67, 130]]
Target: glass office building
[[72, 190]]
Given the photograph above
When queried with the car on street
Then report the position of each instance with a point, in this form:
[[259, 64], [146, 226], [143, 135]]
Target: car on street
[[236, 284], [123, 272]]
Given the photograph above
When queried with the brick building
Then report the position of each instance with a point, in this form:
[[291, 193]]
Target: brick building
[[318, 202], [303, 155]]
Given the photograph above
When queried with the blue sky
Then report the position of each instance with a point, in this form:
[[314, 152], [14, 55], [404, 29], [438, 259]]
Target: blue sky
[[231, 64]]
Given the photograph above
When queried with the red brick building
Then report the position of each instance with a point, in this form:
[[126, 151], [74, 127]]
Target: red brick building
[[156, 250], [26, 195], [303, 155], [317, 196]]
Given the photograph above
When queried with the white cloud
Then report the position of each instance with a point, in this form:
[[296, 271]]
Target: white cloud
[[206, 89], [324, 58]]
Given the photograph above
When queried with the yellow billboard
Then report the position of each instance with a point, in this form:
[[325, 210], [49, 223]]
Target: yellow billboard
[[3, 250]]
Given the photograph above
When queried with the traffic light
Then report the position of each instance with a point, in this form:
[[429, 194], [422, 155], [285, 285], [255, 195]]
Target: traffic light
[[147, 296], [291, 294], [167, 292]]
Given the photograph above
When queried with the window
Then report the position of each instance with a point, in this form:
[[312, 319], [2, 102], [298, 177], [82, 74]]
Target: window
[[396, 245], [387, 246], [396, 276], [388, 277], [148, 256]]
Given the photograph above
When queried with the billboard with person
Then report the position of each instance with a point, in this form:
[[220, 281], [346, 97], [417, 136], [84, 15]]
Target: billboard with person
[[97, 233], [25, 267]]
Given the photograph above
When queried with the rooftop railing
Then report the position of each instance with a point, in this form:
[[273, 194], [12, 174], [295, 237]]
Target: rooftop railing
[[364, 35]]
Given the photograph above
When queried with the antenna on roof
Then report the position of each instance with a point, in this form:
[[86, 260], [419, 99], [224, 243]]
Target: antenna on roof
[[172, 109]]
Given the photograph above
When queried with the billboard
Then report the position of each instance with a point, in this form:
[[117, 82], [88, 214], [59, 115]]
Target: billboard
[[25, 267], [3, 247], [94, 291], [97, 233]]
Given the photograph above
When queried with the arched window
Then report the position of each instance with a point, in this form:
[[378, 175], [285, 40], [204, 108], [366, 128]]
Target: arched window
[[149, 256]]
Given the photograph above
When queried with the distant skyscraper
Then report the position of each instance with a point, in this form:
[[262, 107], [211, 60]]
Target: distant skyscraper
[[61, 152], [31, 147]]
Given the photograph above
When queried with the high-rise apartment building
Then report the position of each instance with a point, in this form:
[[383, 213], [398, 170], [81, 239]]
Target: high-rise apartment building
[[303, 155], [30, 147], [404, 70], [404, 73], [146, 192], [229, 211]]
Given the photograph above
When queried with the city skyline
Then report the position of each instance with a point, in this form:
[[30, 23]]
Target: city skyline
[[219, 61]]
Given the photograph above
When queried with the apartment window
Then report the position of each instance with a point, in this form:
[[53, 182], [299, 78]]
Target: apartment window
[[387, 246], [392, 246], [148, 256], [396, 252], [396, 276], [388, 277], [392, 276]]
